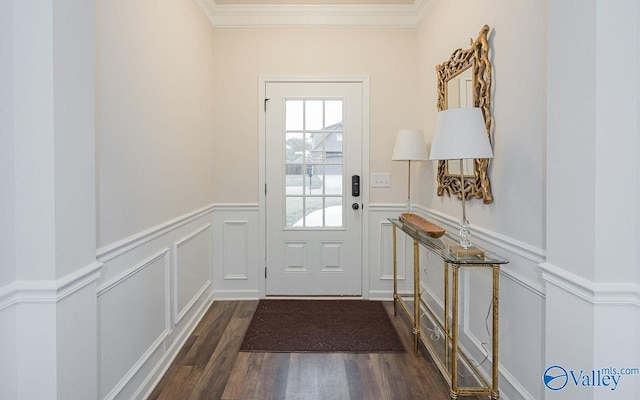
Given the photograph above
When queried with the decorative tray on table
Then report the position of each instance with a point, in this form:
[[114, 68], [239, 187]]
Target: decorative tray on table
[[418, 223]]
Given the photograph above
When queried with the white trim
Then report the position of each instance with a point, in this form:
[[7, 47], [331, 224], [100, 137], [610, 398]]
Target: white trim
[[120, 247], [102, 289], [174, 349], [139, 364], [365, 227], [178, 314], [49, 291], [525, 283], [381, 295], [243, 294], [236, 207], [385, 224], [190, 304], [597, 293], [244, 224], [327, 15]]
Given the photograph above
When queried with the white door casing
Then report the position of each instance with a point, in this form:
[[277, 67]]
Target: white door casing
[[313, 237]]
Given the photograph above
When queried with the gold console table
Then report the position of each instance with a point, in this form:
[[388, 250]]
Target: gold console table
[[461, 374]]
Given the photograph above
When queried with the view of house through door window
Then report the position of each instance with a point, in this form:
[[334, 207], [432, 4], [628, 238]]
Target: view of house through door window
[[313, 163]]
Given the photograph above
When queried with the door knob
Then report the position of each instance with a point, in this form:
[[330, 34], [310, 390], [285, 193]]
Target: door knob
[[355, 206]]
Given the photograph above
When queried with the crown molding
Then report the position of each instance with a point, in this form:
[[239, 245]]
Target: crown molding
[[329, 15]]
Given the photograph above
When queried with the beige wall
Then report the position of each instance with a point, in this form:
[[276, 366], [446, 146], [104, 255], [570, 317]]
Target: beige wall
[[154, 117], [518, 56], [387, 56]]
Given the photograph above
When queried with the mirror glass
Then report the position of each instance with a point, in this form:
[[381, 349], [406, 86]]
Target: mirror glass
[[459, 94]]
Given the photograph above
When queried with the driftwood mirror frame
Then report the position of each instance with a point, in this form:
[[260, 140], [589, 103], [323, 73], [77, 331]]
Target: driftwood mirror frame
[[476, 58]]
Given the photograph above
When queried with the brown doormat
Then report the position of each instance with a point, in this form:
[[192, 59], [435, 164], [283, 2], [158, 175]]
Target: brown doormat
[[292, 326]]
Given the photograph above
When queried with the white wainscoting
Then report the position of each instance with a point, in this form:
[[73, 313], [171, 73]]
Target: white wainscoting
[[381, 253], [237, 264], [192, 270], [133, 311], [30, 307], [156, 286]]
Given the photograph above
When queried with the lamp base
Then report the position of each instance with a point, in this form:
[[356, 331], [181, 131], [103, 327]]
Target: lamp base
[[460, 251]]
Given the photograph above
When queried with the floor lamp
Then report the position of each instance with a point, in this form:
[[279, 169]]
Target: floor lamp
[[410, 146], [461, 134]]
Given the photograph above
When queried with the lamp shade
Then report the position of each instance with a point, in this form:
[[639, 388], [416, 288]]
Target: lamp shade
[[410, 146], [460, 134]]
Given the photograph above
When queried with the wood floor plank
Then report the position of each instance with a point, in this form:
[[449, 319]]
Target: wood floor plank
[[212, 316], [218, 369], [316, 376], [244, 377], [182, 385], [274, 377], [207, 340], [361, 379]]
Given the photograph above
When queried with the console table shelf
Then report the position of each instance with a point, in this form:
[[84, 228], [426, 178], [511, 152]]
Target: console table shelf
[[461, 374]]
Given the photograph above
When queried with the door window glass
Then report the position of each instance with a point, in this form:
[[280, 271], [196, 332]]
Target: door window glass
[[314, 195]]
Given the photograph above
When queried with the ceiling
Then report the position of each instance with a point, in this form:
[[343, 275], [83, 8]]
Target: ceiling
[[306, 13]]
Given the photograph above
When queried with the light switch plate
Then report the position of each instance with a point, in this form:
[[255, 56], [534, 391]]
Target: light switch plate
[[380, 180]]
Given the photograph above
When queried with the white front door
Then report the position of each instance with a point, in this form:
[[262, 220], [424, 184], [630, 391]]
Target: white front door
[[313, 146]]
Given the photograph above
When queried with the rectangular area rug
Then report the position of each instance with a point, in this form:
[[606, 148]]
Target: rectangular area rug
[[291, 326]]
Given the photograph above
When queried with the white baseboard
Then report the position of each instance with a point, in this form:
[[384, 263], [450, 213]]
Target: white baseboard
[[167, 359], [381, 295], [252, 294]]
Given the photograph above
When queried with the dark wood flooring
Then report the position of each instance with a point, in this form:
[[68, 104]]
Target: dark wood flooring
[[209, 366]]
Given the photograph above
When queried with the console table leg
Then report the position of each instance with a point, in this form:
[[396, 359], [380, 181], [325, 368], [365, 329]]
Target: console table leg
[[416, 296], [395, 272], [454, 329], [446, 313], [495, 333]]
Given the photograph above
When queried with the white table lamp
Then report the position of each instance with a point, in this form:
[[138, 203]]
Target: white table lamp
[[461, 134], [410, 146]]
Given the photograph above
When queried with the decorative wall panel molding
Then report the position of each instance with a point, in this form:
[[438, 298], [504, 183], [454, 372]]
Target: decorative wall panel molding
[[172, 350], [105, 287], [380, 251], [236, 250], [597, 293], [385, 246], [49, 291], [192, 264], [134, 321], [138, 365], [113, 250], [238, 259], [512, 249]]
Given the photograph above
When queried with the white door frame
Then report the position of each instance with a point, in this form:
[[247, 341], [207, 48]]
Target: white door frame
[[364, 184]]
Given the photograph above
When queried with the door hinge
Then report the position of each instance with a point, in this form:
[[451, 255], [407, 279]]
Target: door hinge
[[265, 104], [265, 272], [265, 189]]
